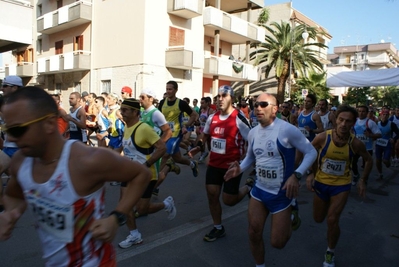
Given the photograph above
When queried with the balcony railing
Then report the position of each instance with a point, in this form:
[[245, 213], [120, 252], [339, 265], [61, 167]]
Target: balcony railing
[[66, 17], [185, 8], [67, 62], [230, 69], [232, 29], [181, 58], [22, 69]]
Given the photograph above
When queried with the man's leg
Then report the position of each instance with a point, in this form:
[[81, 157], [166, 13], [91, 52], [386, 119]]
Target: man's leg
[[257, 215], [281, 228], [232, 193], [213, 193], [337, 205]]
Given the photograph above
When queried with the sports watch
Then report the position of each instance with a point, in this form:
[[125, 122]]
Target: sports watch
[[120, 217], [298, 175]]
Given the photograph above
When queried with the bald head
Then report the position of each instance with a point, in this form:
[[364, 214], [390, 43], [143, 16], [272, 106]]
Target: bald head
[[267, 97]]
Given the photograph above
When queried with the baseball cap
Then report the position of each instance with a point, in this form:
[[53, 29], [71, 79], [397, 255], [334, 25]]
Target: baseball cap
[[149, 91], [84, 94], [126, 89], [131, 103], [225, 89], [334, 108], [13, 80]]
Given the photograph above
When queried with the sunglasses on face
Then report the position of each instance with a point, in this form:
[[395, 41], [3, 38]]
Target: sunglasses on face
[[19, 130], [262, 104], [6, 85]]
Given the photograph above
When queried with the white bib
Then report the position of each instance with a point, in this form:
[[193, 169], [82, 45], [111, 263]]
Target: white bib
[[171, 125], [269, 176], [72, 126], [218, 145], [334, 167], [382, 142], [304, 131], [54, 218]]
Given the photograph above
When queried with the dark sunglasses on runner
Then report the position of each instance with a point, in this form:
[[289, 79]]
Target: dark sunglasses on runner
[[19, 130], [262, 104]]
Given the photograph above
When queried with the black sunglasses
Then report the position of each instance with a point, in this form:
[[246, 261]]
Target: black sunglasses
[[19, 130], [262, 104], [6, 85]]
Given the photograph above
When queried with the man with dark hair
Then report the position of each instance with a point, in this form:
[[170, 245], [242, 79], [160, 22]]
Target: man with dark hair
[[62, 182], [286, 112], [331, 178], [309, 121], [76, 118], [173, 109], [327, 117]]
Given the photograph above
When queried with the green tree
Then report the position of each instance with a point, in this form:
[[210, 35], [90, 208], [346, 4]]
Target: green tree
[[357, 96], [315, 83], [284, 45]]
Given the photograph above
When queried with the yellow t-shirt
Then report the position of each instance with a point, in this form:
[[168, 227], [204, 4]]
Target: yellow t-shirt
[[140, 147], [335, 162]]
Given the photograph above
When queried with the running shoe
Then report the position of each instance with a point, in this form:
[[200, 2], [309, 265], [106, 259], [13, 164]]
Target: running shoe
[[171, 208], [173, 167], [355, 178], [203, 157], [155, 191], [195, 168], [329, 259], [130, 241], [214, 234], [250, 182], [295, 220]]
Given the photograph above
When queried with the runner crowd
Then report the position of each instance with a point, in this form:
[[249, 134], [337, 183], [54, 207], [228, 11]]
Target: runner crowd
[[279, 142]]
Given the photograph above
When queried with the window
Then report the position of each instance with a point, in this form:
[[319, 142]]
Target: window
[[39, 10], [106, 86], [25, 56], [176, 37], [59, 47], [213, 51], [59, 4], [39, 46], [58, 88], [78, 43], [77, 87]]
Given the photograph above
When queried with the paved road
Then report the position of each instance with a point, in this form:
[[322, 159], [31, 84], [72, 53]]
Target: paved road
[[369, 231]]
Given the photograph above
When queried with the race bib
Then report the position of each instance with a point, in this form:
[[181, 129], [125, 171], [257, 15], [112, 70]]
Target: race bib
[[304, 132], [73, 126], [334, 167], [382, 142], [269, 176], [157, 130], [185, 120], [362, 138], [218, 145], [171, 125], [53, 218]]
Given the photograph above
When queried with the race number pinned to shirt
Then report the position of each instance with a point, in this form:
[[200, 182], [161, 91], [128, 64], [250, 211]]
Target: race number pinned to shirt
[[362, 138], [382, 142], [334, 167], [171, 125], [304, 131], [218, 145], [72, 126], [53, 218], [269, 176]]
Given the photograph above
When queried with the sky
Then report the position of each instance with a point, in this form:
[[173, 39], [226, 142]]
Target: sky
[[352, 22]]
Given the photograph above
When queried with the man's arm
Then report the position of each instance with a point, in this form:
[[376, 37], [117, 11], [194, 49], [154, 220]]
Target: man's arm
[[332, 119], [319, 124], [184, 107], [160, 150]]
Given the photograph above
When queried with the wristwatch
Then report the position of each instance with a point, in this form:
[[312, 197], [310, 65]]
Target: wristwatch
[[120, 217], [298, 175]]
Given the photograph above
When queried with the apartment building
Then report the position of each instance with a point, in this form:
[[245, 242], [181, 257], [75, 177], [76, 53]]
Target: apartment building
[[286, 13], [103, 45], [360, 58]]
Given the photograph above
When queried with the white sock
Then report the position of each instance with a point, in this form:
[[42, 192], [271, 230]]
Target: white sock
[[192, 164], [330, 249], [167, 204], [218, 226], [134, 232]]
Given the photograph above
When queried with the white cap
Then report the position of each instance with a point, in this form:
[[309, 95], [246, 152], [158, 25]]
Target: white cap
[[149, 91]]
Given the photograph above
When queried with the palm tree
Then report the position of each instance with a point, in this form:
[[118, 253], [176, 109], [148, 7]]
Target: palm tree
[[280, 46], [315, 83]]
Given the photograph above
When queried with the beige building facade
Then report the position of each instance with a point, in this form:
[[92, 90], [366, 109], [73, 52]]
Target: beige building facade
[[101, 46]]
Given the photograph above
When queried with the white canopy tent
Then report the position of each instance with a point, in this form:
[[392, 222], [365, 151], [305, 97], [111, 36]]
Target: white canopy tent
[[383, 77]]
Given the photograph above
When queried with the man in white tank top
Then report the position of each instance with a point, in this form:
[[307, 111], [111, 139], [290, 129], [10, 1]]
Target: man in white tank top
[[327, 117], [62, 183]]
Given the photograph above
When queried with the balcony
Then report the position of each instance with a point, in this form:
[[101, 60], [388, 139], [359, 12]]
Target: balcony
[[187, 9], [68, 62], [64, 18], [229, 70], [180, 58], [22, 69], [232, 29], [231, 6]]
